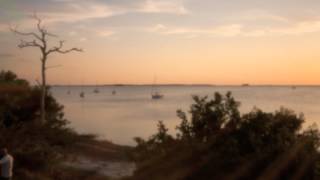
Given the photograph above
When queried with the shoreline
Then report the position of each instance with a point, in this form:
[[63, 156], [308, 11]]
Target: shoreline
[[102, 158], [187, 85]]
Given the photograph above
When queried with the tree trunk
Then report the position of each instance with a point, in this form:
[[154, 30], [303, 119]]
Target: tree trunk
[[43, 91]]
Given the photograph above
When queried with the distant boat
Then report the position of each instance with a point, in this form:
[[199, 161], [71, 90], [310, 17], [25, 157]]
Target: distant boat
[[82, 94], [68, 90], [114, 92], [155, 94], [96, 90], [245, 85], [293, 87]]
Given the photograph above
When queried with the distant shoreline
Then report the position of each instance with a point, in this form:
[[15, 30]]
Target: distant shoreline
[[182, 85]]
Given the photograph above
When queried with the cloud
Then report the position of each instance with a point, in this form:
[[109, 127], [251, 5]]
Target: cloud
[[258, 15], [70, 11], [4, 28], [239, 30], [83, 39], [105, 33], [73, 33], [85, 10], [163, 6], [97, 31], [64, 0], [230, 30], [6, 55], [81, 11], [65, 11], [253, 22], [298, 28], [158, 28]]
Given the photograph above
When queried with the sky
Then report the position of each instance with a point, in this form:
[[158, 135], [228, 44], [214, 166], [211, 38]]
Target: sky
[[179, 41]]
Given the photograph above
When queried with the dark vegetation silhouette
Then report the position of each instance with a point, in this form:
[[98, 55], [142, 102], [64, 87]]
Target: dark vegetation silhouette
[[217, 142], [38, 147], [40, 40]]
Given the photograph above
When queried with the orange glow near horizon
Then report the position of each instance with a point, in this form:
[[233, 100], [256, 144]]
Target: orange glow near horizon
[[233, 61], [174, 41]]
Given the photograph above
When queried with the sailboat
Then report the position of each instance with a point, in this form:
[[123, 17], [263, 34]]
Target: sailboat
[[96, 90], [82, 94], [155, 94], [68, 89]]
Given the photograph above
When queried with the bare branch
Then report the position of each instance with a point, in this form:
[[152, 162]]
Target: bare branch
[[41, 28], [34, 16], [48, 34], [58, 49], [24, 44], [15, 31], [69, 50]]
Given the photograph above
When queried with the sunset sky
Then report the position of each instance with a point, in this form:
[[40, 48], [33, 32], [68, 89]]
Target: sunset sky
[[179, 41]]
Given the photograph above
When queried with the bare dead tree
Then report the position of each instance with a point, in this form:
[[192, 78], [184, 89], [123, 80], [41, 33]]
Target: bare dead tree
[[40, 41]]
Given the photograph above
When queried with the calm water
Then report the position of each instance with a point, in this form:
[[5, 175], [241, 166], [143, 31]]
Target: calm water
[[131, 112]]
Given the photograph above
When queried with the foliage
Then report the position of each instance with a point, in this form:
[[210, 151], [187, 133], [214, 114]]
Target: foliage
[[217, 142], [157, 143], [35, 145]]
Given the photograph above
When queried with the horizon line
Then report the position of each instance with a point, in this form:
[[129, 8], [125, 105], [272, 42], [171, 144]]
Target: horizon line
[[188, 84]]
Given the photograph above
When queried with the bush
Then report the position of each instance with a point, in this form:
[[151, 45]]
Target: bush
[[35, 145], [217, 142]]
